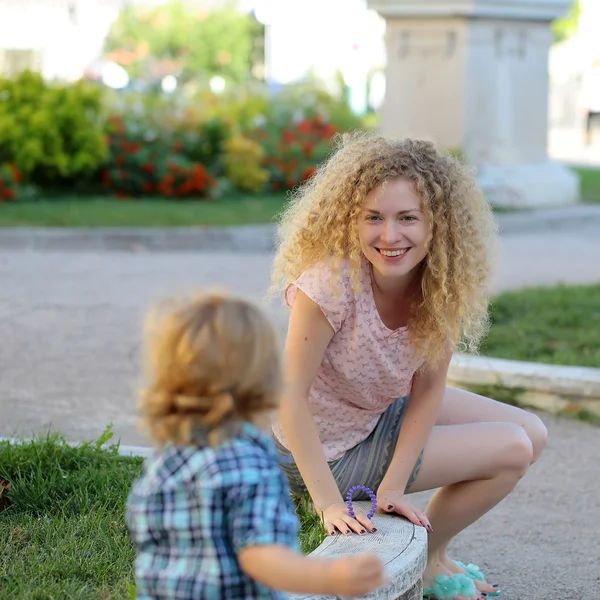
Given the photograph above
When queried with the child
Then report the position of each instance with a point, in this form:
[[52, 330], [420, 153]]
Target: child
[[211, 516], [385, 257]]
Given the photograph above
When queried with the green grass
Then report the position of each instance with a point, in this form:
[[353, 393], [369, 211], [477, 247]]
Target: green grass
[[108, 212], [590, 183], [558, 325], [64, 534]]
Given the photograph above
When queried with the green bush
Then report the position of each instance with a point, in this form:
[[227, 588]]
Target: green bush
[[51, 132], [10, 179], [142, 162]]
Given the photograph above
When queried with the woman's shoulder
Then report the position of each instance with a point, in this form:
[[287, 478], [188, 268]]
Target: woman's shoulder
[[328, 283]]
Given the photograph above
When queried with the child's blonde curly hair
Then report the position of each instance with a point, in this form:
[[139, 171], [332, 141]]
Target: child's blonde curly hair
[[321, 222], [213, 361]]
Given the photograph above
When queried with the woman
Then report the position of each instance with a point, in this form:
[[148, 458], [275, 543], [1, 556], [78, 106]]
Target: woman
[[385, 257]]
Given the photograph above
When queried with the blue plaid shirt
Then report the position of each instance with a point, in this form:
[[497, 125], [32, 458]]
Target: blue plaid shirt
[[195, 508]]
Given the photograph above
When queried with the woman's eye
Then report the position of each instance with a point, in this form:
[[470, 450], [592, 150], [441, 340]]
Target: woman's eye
[[373, 218], [408, 218]]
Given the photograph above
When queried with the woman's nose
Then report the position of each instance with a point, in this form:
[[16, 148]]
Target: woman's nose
[[391, 232]]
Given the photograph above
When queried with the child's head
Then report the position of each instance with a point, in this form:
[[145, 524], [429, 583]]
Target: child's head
[[213, 361], [326, 219]]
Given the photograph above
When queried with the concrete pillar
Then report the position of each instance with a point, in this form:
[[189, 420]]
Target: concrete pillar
[[473, 76]]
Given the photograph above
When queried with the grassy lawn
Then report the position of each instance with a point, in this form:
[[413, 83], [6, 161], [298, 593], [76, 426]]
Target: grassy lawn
[[558, 325], [64, 534], [108, 212], [590, 183], [238, 209]]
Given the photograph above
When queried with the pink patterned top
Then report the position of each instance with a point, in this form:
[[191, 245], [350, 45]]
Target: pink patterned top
[[366, 365]]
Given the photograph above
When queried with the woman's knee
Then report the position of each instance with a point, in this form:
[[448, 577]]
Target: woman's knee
[[538, 434], [517, 450]]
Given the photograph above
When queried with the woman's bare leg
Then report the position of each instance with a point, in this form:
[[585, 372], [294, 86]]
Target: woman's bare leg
[[476, 465], [461, 406]]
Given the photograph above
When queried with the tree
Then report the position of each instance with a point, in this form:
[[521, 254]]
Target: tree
[[566, 26], [192, 42]]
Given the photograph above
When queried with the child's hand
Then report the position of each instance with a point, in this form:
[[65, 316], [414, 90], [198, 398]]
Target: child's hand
[[356, 575], [337, 518]]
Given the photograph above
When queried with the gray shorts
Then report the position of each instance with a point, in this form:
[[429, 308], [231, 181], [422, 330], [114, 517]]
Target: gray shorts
[[366, 463]]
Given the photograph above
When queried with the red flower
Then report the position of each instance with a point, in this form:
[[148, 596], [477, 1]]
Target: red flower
[[308, 173], [307, 148], [148, 168], [288, 136], [16, 174], [148, 187], [304, 126], [8, 194], [329, 131]]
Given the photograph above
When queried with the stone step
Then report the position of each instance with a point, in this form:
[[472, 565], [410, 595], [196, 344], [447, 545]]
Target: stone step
[[401, 546]]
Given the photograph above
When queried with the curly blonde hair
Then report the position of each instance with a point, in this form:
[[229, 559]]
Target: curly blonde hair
[[321, 222], [212, 361]]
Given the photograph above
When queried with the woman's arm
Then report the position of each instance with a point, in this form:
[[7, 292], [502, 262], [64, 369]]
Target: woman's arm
[[427, 394], [309, 334]]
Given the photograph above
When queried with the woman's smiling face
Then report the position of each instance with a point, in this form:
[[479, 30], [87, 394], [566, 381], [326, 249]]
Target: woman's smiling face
[[393, 228]]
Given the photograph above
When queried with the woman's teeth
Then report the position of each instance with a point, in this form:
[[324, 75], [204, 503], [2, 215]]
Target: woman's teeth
[[394, 252]]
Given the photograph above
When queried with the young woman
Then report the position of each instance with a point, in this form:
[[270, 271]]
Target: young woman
[[384, 258]]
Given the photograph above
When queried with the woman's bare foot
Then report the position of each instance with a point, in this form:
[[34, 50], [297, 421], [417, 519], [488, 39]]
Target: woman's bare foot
[[482, 586], [436, 567]]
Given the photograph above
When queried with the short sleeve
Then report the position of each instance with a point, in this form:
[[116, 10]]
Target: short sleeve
[[330, 291], [262, 513]]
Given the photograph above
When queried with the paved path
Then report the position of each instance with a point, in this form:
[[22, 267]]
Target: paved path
[[70, 322]]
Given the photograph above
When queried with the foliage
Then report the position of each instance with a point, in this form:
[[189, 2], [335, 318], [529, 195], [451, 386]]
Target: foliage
[[192, 42], [566, 26], [243, 164], [291, 154], [64, 533], [51, 132], [589, 179], [558, 325], [10, 179], [142, 164], [96, 211]]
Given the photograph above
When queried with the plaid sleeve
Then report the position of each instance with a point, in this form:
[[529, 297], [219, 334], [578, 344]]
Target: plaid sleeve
[[262, 512]]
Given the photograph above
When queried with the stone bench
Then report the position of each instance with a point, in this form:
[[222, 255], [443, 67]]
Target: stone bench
[[401, 546]]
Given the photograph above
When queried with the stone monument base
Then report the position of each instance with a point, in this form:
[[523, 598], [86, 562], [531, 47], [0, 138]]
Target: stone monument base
[[529, 185]]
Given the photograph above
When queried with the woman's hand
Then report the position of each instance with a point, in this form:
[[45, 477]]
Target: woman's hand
[[393, 501], [337, 518]]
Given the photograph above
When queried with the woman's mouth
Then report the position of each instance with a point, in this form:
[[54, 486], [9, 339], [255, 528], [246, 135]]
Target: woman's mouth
[[392, 252]]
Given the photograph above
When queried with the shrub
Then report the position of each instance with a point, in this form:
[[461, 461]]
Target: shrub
[[141, 163], [51, 132], [243, 164], [292, 154], [10, 178]]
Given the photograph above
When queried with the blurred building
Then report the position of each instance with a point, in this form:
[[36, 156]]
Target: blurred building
[[59, 38], [572, 63]]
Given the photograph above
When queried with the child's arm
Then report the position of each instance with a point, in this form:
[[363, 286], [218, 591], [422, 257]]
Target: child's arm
[[280, 568]]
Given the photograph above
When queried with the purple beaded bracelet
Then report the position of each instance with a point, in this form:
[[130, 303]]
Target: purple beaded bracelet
[[362, 488]]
